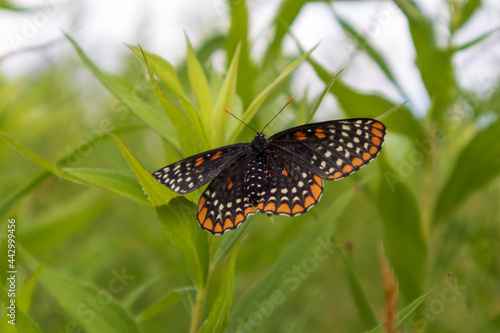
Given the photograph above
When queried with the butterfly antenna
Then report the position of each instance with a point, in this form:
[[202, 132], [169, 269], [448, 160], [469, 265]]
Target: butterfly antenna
[[277, 114], [241, 121]]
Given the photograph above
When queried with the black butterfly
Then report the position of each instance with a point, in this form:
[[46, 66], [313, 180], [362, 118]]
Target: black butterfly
[[282, 174]]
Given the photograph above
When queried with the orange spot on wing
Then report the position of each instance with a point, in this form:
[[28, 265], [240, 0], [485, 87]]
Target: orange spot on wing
[[239, 218], [284, 172], [199, 160], [260, 206], [366, 156], [373, 150], [347, 168], [201, 203], [377, 132], [378, 125], [230, 186], [357, 161], [228, 224], [202, 214], [218, 228], [376, 141], [270, 207], [316, 191], [300, 136], [208, 224], [309, 201], [337, 175], [319, 134], [217, 155], [284, 208], [318, 180], [249, 210], [297, 209]]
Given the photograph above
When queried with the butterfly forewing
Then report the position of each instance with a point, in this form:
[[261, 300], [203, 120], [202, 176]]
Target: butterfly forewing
[[332, 149], [193, 172]]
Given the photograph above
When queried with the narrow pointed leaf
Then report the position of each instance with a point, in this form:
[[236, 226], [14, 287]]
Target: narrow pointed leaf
[[151, 116], [217, 320]]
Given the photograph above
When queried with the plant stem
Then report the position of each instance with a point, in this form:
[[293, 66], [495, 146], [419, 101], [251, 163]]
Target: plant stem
[[201, 293]]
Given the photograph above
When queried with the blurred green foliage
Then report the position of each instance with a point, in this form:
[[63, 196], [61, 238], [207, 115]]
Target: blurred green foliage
[[90, 260]]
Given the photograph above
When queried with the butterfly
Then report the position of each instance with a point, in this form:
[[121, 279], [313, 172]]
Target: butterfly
[[282, 174]]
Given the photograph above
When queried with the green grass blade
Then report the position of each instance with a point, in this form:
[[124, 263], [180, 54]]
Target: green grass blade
[[189, 140], [477, 165], [224, 101], [257, 102], [403, 235], [217, 320], [151, 116]]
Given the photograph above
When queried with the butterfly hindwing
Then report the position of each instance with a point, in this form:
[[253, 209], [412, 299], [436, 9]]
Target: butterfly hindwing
[[290, 188], [193, 172], [224, 205], [332, 149]]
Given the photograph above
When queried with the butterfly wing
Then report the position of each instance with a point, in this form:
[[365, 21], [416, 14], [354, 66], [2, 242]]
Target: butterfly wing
[[224, 205], [193, 172], [331, 149], [290, 189]]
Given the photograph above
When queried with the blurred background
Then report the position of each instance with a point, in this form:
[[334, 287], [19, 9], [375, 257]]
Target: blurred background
[[431, 198]]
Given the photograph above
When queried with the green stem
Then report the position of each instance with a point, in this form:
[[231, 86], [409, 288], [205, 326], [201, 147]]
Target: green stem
[[197, 317]]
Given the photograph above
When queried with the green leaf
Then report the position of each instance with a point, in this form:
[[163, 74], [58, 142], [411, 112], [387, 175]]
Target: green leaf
[[405, 314], [166, 72], [364, 44], [188, 138], [112, 181], [225, 101], [179, 223], [403, 236], [151, 116], [200, 85], [156, 192], [217, 320], [325, 91], [356, 104], [23, 323], [434, 63], [477, 165], [103, 179], [257, 102], [72, 158]]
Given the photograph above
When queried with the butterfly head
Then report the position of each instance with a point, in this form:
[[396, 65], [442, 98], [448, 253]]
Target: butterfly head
[[259, 143]]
